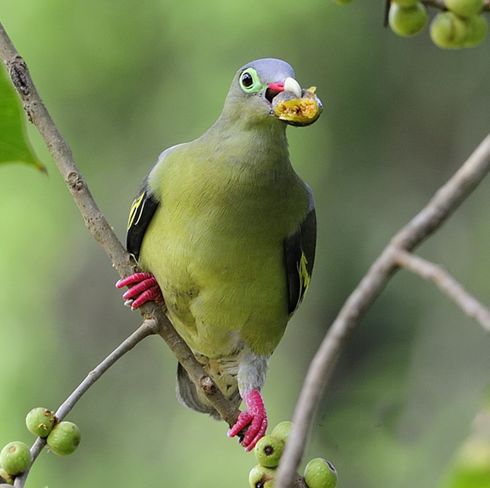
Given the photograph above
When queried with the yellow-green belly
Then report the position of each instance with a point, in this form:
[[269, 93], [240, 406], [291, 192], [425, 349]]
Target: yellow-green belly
[[216, 250]]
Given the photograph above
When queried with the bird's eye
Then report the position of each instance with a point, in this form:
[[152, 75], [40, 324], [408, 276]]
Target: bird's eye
[[250, 81], [247, 80]]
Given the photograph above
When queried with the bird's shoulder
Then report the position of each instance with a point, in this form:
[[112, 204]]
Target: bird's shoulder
[[147, 201], [165, 163]]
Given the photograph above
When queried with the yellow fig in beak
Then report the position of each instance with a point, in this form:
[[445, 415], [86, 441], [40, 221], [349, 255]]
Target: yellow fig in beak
[[297, 110]]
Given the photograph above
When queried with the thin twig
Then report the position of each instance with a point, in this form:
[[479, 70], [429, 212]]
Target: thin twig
[[386, 13], [430, 218], [440, 5], [98, 225], [447, 284], [148, 327]]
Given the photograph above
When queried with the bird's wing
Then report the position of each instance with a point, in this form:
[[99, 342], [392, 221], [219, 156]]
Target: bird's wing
[[142, 210], [299, 256], [144, 206]]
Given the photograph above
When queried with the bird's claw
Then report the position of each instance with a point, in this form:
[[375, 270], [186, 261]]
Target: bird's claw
[[143, 287], [252, 421]]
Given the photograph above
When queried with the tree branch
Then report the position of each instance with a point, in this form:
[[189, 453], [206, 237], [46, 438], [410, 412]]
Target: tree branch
[[100, 229], [447, 284], [148, 327], [98, 225], [429, 219]]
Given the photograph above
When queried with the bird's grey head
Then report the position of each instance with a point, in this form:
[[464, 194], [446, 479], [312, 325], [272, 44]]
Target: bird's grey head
[[255, 85]]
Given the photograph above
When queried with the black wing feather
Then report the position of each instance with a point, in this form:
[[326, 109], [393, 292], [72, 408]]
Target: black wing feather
[[299, 254], [142, 210]]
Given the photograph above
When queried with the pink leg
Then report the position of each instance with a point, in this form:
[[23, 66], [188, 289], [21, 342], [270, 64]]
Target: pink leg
[[143, 287], [253, 419]]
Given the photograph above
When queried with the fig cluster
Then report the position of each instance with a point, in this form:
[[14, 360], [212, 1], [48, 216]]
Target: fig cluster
[[319, 473], [62, 438], [461, 24]]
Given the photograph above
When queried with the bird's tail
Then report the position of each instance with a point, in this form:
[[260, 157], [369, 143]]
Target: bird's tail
[[191, 397]]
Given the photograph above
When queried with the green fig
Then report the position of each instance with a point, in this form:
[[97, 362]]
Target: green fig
[[320, 473], [40, 421], [15, 458], [465, 8], [477, 30], [281, 430], [260, 476], [407, 21], [448, 31], [268, 451], [64, 438]]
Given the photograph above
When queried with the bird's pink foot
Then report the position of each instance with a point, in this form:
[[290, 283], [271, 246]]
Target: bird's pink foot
[[143, 287], [253, 421]]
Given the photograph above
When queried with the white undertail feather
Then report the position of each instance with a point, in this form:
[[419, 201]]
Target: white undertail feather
[[235, 376]]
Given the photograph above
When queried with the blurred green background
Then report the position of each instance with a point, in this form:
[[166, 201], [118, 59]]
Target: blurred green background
[[125, 80]]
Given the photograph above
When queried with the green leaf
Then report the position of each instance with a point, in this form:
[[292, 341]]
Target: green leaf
[[14, 143]]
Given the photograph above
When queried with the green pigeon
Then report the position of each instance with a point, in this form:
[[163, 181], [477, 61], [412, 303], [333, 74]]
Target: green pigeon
[[224, 231]]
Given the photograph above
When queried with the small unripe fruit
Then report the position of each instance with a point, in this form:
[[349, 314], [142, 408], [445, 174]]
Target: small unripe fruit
[[260, 476], [15, 457], [268, 451], [465, 8], [477, 30], [320, 473], [64, 438], [282, 430], [448, 31], [407, 21], [5, 478], [406, 3], [40, 421]]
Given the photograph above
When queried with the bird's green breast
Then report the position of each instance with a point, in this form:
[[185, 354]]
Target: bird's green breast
[[215, 244]]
